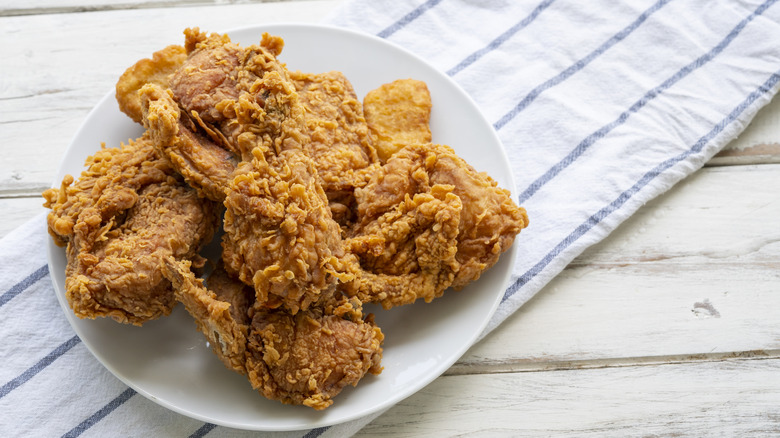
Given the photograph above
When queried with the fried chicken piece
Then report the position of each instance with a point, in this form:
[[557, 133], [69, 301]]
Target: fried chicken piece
[[127, 212], [408, 253], [221, 312], [240, 96], [339, 145], [441, 222], [279, 234], [398, 114], [303, 359], [155, 70], [204, 164], [224, 101]]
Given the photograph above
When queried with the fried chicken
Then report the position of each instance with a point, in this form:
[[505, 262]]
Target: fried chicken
[[428, 221], [280, 236], [127, 211], [328, 203], [155, 70], [302, 359], [339, 142], [398, 114], [224, 101], [240, 96], [204, 164], [279, 233]]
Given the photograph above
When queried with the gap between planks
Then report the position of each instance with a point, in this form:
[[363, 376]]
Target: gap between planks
[[98, 7], [541, 365]]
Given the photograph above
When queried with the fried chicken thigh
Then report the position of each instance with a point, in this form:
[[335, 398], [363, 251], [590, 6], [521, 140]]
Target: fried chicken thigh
[[428, 221], [223, 101], [127, 211], [302, 359]]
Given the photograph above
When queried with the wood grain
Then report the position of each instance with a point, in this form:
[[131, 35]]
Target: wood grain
[[727, 398]]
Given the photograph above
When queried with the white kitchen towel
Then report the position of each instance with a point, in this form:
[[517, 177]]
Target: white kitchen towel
[[600, 105]]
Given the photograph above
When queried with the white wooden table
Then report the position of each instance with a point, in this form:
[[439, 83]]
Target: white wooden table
[[669, 326]]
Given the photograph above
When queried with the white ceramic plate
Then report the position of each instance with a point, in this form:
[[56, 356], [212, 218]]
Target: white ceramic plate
[[168, 361]]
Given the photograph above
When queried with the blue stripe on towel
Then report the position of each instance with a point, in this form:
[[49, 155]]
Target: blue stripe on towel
[[579, 65], [645, 180], [38, 367], [203, 430], [314, 433], [501, 38], [408, 18], [24, 284], [102, 413], [648, 97]]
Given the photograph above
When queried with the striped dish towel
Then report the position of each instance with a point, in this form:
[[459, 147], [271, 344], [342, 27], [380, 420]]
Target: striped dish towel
[[601, 106]]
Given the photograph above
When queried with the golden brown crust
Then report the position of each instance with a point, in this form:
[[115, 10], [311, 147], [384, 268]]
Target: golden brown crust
[[303, 359], [398, 114], [127, 212], [339, 144], [279, 234], [428, 221], [155, 70]]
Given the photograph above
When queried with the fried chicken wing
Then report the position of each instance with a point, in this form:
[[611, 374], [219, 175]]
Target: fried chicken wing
[[155, 70], [398, 114], [127, 211], [428, 221], [302, 359]]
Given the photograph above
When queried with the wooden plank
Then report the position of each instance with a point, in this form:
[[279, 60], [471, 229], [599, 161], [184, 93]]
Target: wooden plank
[[16, 211], [724, 213], [726, 398], [759, 153], [643, 313], [759, 143], [47, 87]]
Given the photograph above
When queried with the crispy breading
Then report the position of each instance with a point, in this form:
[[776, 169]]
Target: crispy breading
[[398, 114], [339, 141], [204, 164], [127, 211], [302, 359], [155, 70], [428, 221], [279, 233]]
